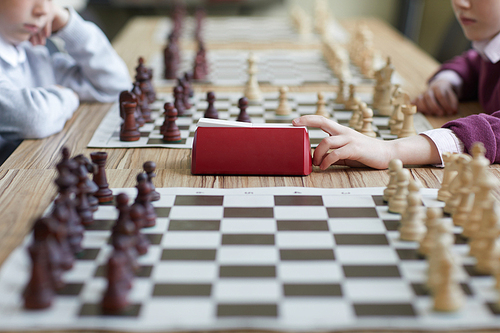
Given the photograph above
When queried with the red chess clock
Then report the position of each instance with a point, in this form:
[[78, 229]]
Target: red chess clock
[[250, 149]]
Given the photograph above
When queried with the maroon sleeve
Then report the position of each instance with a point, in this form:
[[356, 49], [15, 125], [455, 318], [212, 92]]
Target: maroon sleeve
[[482, 127], [467, 66]]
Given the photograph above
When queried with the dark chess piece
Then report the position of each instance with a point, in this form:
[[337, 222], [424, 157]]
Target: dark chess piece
[[60, 213], [128, 96], [104, 194], [185, 93], [83, 189], [199, 67], [137, 216], [179, 101], [149, 169], [171, 59], [48, 229], [119, 279], [92, 187], [144, 76], [242, 105], [142, 102], [187, 81], [169, 129], [129, 129], [144, 199], [211, 111], [66, 182], [123, 236], [39, 291]]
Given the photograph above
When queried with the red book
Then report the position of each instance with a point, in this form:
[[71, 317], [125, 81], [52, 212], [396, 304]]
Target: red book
[[230, 148]]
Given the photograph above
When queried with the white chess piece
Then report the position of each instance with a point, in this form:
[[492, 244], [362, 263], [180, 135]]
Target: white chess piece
[[321, 106], [284, 108], [252, 90]]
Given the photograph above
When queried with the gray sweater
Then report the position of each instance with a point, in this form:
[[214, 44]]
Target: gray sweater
[[32, 102]]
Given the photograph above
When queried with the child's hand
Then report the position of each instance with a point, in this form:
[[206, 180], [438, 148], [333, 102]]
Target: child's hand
[[56, 18], [349, 147], [439, 100]]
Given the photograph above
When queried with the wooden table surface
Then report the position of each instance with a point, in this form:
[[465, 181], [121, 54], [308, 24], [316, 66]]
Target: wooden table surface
[[26, 178]]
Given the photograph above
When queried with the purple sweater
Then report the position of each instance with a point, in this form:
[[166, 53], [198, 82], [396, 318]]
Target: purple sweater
[[481, 81]]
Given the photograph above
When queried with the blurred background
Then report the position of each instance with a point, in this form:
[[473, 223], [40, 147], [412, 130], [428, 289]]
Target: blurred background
[[429, 23]]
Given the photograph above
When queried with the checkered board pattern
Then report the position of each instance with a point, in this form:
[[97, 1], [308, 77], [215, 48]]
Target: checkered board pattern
[[275, 67], [301, 259], [107, 134], [254, 30]]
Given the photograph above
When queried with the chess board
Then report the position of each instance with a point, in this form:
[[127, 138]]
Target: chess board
[[286, 259], [274, 67], [107, 134], [254, 30]]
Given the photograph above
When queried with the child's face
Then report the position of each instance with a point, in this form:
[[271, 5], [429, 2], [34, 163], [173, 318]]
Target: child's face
[[480, 19], [19, 19]]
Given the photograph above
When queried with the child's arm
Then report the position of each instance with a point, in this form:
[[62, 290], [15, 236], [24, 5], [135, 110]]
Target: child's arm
[[355, 149], [91, 68], [33, 113], [444, 91]]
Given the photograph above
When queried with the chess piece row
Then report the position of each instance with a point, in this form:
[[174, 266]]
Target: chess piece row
[[57, 237], [135, 104]]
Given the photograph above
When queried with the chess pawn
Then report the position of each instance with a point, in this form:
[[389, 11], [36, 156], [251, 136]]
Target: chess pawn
[[185, 93], [179, 101], [433, 219], [352, 101], [394, 166], [340, 99], [149, 169], [118, 276], [169, 129], [242, 105], [398, 202], [252, 90], [408, 128], [321, 106], [449, 173], [367, 121], [104, 194], [412, 226], [144, 189], [283, 107], [137, 216], [170, 61], [211, 111], [454, 200], [448, 296], [129, 127], [356, 116], [399, 98], [440, 250], [128, 96]]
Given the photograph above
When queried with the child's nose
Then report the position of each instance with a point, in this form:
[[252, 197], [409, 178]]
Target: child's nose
[[40, 7], [462, 3]]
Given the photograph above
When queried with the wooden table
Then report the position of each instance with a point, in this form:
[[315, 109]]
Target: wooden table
[[26, 178]]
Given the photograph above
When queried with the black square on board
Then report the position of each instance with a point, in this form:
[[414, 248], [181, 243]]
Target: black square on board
[[302, 225], [70, 289], [379, 200], [247, 239], [154, 239], [162, 142], [244, 212], [346, 212], [298, 200], [171, 289], [309, 254], [194, 225], [188, 254], [361, 239], [322, 290], [409, 254], [100, 225], [391, 225], [384, 310], [162, 211], [93, 309], [88, 254], [371, 271], [233, 271], [198, 200], [247, 310]]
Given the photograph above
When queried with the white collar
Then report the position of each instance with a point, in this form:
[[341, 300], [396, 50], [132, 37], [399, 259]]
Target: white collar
[[490, 49], [11, 54]]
